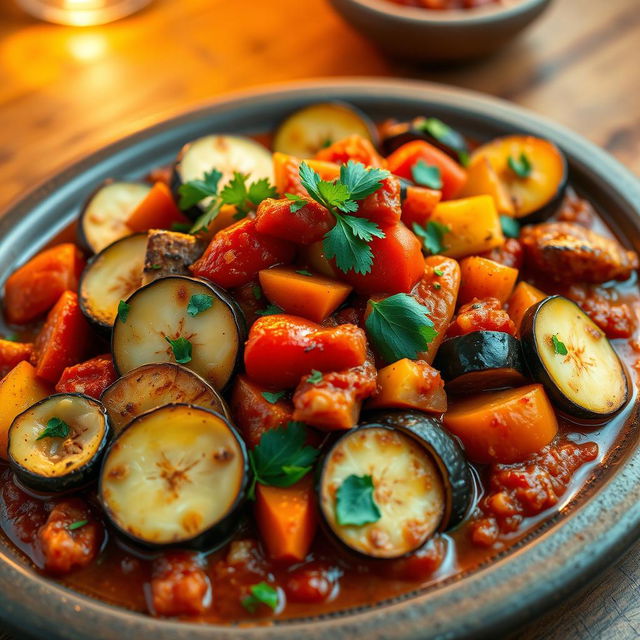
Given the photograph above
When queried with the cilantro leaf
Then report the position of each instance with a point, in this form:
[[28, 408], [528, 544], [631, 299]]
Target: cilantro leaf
[[426, 175], [77, 525], [195, 191], [349, 251], [304, 272], [261, 593], [446, 136], [559, 347], [432, 235], [123, 311], [297, 202], [399, 327], [360, 181], [281, 458], [273, 397], [56, 428], [336, 194], [271, 310], [198, 303], [510, 226], [309, 180], [355, 504], [315, 376], [181, 348], [438, 272], [207, 217], [181, 227], [521, 166], [363, 228], [256, 291], [244, 198]]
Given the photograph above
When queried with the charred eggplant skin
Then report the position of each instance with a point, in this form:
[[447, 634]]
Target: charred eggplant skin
[[539, 372], [216, 536], [430, 433], [78, 478], [480, 361]]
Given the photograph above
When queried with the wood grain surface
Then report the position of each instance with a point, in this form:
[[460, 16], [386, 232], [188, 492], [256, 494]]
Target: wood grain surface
[[66, 91]]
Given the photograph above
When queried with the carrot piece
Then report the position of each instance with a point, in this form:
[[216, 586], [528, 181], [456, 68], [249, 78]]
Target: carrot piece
[[287, 520], [418, 205], [409, 384], [503, 426], [312, 297], [286, 168], [482, 180], [524, 296], [158, 210], [473, 226], [11, 353], [36, 286], [63, 340], [484, 278], [19, 389], [253, 414]]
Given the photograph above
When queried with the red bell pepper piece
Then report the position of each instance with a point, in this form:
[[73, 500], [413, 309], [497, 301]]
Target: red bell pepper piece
[[91, 377]]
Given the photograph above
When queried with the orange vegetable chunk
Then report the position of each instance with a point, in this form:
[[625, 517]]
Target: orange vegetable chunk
[[287, 519], [157, 210], [11, 353], [525, 295], [484, 278], [503, 426], [482, 180], [313, 297]]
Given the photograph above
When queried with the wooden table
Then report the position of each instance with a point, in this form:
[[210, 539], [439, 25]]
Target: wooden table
[[65, 91]]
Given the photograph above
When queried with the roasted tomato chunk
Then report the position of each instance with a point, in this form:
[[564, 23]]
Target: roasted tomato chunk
[[312, 584], [481, 315], [71, 537], [180, 585], [382, 206], [354, 148], [91, 377], [303, 226]]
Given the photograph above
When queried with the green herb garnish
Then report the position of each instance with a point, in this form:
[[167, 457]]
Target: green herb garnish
[[521, 166], [355, 504], [181, 348], [426, 175], [261, 593], [446, 136], [123, 311], [314, 377], [438, 272], [510, 226], [271, 310], [558, 346], [198, 303], [56, 428], [432, 236], [273, 397], [304, 272], [77, 525]]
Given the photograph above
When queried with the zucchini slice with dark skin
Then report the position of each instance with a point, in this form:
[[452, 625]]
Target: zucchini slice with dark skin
[[404, 484], [480, 361], [533, 172], [445, 450], [104, 217], [227, 154], [306, 131], [572, 357], [183, 320], [155, 385], [112, 275], [57, 444], [176, 476]]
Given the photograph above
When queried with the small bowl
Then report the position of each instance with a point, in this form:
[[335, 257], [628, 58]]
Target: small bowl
[[424, 35]]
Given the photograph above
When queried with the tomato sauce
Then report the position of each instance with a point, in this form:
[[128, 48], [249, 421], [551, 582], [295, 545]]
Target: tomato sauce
[[447, 5]]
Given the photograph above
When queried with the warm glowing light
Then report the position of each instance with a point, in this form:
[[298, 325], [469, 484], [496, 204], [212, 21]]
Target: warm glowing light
[[82, 13], [87, 47]]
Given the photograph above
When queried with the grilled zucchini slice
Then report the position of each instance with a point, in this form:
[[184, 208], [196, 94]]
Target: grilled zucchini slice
[[112, 275], [104, 217], [155, 385], [175, 476], [57, 444], [166, 321], [572, 357]]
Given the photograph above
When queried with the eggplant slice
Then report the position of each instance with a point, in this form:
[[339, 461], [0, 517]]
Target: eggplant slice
[[480, 361], [445, 450], [111, 276], [155, 385], [104, 217], [57, 444], [170, 254], [311, 128], [407, 491], [227, 154], [161, 326], [538, 192], [175, 476], [572, 357]]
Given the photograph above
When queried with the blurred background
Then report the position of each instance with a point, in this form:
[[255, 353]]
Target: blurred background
[[65, 91]]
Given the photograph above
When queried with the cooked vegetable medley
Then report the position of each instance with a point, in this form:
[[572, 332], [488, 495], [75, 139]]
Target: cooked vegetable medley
[[291, 380]]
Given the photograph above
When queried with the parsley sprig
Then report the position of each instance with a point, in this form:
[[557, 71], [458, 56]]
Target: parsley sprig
[[261, 593], [237, 192], [521, 166], [281, 458], [355, 503], [432, 236], [56, 428], [399, 327], [348, 242], [558, 346]]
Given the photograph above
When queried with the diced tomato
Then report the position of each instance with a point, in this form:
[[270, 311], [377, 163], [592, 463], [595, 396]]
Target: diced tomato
[[382, 206], [418, 204], [354, 148], [65, 549], [91, 377], [236, 254], [11, 353], [304, 226], [481, 315], [312, 584], [281, 349], [35, 287], [397, 266], [180, 585], [63, 340], [403, 159], [253, 414]]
